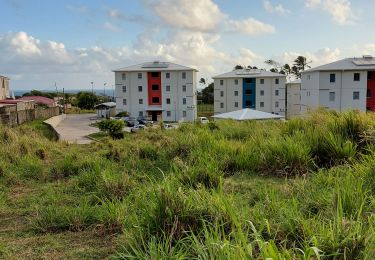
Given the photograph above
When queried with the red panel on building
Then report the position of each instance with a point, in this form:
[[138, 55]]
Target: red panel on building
[[370, 104], [154, 88]]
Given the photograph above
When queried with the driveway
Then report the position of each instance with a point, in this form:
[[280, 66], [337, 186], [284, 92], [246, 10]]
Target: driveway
[[75, 128]]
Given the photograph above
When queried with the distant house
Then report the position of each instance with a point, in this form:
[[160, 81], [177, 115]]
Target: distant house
[[106, 110], [41, 101], [293, 90], [4, 87]]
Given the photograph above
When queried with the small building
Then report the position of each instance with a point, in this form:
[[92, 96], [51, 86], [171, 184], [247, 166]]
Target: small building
[[106, 110], [247, 114], [293, 90], [20, 104], [342, 85], [4, 87], [41, 101], [250, 88], [158, 90]]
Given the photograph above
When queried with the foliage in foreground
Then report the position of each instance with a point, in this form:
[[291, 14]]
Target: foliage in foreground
[[282, 190]]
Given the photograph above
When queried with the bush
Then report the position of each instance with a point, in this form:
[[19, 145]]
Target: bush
[[122, 114], [112, 127]]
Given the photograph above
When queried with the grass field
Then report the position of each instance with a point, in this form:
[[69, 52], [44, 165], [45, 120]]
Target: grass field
[[205, 110], [225, 190]]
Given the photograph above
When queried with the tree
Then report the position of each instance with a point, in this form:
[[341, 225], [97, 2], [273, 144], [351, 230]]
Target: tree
[[274, 64], [208, 94], [112, 127], [35, 92], [300, 64], [238, 67], [202, 81], [86, 100]]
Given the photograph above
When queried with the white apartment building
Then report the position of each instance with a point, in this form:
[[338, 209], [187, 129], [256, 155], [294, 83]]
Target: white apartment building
[[158, 90], [4, 87], [249, 88], [342, 85]]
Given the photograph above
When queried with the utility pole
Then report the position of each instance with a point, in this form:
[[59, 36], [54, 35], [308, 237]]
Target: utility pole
[[92, 87], [105, 84], [63, 101]]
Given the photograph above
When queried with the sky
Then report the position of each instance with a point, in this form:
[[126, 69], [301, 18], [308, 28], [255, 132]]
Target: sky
[[71, 43]]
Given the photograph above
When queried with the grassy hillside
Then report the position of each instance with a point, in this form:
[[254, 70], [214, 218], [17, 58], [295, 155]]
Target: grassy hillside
[[227, 190]]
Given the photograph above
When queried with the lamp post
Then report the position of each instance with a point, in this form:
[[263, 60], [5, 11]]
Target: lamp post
[[92, 87], [105, 84]]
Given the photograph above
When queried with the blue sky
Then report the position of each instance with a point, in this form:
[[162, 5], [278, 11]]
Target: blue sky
[[75, 42]]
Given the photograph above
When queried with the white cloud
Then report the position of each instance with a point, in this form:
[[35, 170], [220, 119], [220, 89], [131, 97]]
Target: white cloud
[[250, 26], [319, 57], [369, 49], [275, 9], [340, 10], [203, 16], [110, 27]]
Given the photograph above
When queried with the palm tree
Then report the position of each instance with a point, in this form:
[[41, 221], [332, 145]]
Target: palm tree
[[301, 63], [238, 67]]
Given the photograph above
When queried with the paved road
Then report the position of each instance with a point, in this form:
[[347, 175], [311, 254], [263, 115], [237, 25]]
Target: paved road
[[75, 128]]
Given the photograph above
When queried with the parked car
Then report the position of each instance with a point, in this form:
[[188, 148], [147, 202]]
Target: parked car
[[203, 120], [168, 126], [136, 128], [144, 121], [131, 121]]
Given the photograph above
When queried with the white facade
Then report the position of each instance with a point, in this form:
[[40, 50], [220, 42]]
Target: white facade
[[267, 91], [4, 87], [341, 86], [293, 90], [176, 93]]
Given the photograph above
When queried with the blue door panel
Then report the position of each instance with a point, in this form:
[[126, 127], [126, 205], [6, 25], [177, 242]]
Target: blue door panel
[[248, 90]]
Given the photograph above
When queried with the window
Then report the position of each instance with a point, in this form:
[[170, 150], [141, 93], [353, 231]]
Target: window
[[168, 113], [261, 81], [184, 101], [167, 88], [248, 91], [369, 75], [277, 81], [184, 113], [155, 100], [357, 77], [261, 104], [276, 92], [168, 101], [221, 93], [155, 87], [139, 88], [221, 82], [262, 92], [235, 104], [236, 82], [155, 74], [331, 96], [248, 81], [236, 93], [249, 103], [221, 105], [277, 104], [332, 78], [356, 95], [124, 102], [368, 93], [184, 75], [140, 101], [140, 114], [168, 75], [139, 75], [124, 89], [183, 88], [123, 76]]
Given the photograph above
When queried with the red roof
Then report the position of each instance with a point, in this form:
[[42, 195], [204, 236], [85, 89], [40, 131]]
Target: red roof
[[39, 100]]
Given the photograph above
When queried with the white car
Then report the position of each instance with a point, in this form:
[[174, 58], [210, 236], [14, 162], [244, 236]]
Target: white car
[[203, 120]]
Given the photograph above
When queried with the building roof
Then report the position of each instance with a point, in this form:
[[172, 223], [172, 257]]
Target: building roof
[[154, 66], [247, 114], [39, 100], [245, 73], [106, 104], [4, 77], [363, 63]]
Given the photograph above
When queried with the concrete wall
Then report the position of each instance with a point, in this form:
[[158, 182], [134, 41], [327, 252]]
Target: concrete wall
[[176, 107], [294, 100], [10, 116], [4, 88]]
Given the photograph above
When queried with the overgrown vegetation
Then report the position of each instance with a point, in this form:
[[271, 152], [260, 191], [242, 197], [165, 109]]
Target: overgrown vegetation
[[226, 190]]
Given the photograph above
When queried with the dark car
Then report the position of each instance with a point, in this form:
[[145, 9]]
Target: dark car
[[131, 121], [144, 121], [136, 128]]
